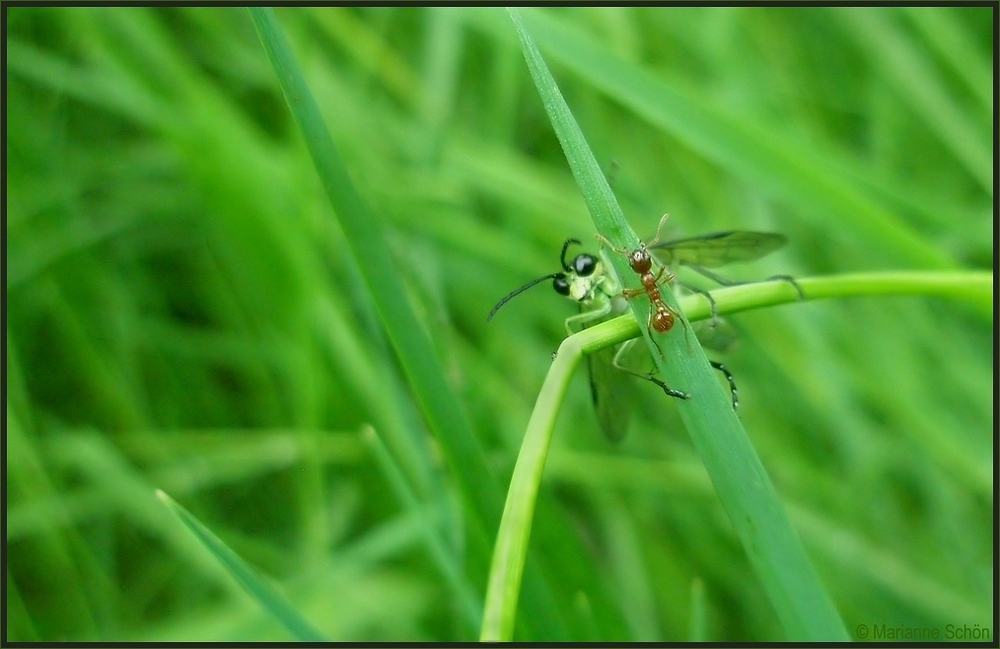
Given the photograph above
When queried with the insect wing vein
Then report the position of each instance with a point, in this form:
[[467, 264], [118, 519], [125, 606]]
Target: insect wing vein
[[719, 248]]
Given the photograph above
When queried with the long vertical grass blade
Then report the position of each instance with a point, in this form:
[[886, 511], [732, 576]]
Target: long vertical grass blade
[[766, 157], [378, 269], [742, 484], [412, 346]]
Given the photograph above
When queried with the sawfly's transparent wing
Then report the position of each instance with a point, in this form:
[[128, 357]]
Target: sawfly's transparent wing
[[718, 249]]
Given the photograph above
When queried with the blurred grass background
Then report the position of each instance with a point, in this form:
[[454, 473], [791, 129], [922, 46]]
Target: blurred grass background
[[184, 314]]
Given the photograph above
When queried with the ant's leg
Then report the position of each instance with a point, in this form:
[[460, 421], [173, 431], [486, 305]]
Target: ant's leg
[[620, 354], [674, 312], [604, 241], [729, 377], [679, 318], [659, 277], [652, 336]]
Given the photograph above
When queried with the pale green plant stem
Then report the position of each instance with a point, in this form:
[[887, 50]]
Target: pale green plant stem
[[974, 287], [745, 490]]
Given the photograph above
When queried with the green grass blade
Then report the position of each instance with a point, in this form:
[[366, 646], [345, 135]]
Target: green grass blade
[[367, 242], [185, 313], [914, 78], [769, 158], [697, 622], [974, 288], [952, 43], [743, 487], [450, 566], [273, 601], [413, 347], [511, 549]]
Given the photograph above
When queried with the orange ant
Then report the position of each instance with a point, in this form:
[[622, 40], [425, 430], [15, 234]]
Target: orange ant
[[662, 315]]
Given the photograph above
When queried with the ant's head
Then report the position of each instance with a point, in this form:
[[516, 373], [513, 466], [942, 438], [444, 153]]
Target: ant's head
[[639, 260]]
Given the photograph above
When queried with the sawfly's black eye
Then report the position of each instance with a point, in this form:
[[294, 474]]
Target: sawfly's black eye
[[584, 265], [561, 285]]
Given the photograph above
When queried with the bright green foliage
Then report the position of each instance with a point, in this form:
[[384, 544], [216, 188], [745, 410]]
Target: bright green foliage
[[184, 312]]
